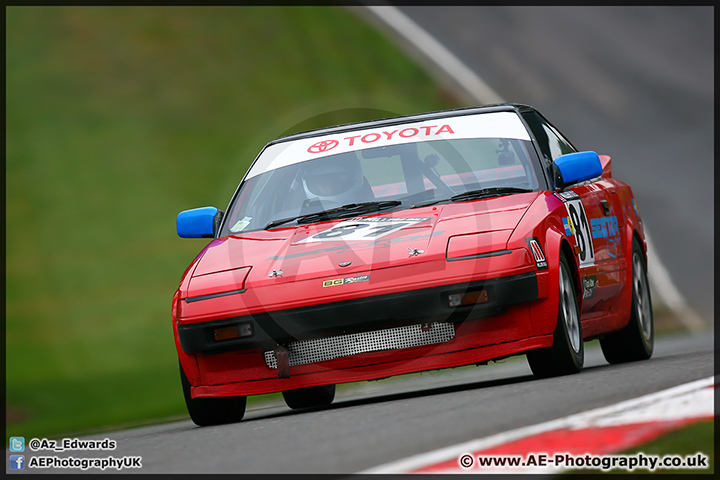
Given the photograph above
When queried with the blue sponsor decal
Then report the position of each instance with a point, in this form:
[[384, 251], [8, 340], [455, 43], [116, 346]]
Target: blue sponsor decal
[[605, 227], [568, 230], [613, 247]]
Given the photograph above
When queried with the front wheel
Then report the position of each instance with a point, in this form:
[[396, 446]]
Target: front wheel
[[212, 411], [309, 396], [567, 353], [636, 340]]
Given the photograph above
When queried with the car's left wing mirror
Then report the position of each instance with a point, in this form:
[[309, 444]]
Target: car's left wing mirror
[[576, 167], [199, 222]]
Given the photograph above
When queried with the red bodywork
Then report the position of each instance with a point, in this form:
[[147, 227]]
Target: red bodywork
[[241, 264]]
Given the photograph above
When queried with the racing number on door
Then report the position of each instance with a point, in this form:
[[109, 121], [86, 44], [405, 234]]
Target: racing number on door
[[581, 230]]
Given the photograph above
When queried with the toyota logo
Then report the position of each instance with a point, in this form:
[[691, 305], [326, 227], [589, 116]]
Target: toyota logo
[[323, 146]]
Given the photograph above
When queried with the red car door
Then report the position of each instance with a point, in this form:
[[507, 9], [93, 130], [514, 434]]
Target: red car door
[[593, 219]]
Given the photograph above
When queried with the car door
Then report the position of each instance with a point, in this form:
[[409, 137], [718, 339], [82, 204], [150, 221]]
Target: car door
[[601, 279], [592, 222]]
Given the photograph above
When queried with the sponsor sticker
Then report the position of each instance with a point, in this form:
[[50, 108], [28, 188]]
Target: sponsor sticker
[[425, 131], [605, 227], [589, 285], [537, 252], [359, 228], [344, 281], [608, 228], [241, 224], [323, 146], [356, 246], [567, 195], [485, 125]]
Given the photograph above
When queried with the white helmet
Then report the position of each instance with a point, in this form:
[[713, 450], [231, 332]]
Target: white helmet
[[333, 180]]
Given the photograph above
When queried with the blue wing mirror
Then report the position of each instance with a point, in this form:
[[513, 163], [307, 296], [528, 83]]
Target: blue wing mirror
[[576, 167], [199, 222]]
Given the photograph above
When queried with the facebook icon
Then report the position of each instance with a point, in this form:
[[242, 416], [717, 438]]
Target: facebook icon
[[17, 462]]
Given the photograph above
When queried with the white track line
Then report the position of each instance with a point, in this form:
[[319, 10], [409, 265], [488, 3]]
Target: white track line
[[577, 420], [472, 85], [436, 52]]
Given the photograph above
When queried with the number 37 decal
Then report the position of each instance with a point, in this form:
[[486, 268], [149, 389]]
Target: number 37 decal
[[363, 229]]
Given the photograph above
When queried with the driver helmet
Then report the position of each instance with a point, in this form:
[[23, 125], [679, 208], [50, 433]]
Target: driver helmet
[[335, 179]]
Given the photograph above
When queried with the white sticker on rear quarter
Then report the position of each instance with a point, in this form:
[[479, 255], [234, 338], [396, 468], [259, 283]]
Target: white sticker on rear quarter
[[359, 229]]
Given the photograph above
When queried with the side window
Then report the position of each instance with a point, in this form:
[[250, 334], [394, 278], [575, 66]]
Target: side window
[[552, 143], [558, 145]]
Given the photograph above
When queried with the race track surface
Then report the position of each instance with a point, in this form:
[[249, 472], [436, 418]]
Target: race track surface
[[371, 423]]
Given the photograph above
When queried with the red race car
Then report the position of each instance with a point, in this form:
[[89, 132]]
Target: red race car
[[408, 244]]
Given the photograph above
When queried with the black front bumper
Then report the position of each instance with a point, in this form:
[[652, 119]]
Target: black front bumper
[[270, 329]]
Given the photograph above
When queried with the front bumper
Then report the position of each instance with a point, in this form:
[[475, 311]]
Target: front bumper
[[427, 305], [245, 373]]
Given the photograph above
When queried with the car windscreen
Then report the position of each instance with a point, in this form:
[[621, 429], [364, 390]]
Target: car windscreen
[[398, 176]]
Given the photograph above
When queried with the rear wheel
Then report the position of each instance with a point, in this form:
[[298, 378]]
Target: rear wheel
[[567, 353], [212, 411], [310, 396], [636, 340]]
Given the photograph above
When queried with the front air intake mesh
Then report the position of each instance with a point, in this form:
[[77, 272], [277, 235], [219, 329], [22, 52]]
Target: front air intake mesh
[[320, 349]]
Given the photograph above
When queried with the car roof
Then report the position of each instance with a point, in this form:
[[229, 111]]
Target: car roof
[[499, 107]]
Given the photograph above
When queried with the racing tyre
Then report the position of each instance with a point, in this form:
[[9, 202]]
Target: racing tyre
[[310, 396], [567, 353], [212, 411], [636, 340]]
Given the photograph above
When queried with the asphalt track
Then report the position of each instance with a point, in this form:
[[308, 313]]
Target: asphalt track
[[372, 423], [626, 81]]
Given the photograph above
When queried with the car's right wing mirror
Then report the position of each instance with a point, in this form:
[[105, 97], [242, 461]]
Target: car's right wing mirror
[[576, 167]]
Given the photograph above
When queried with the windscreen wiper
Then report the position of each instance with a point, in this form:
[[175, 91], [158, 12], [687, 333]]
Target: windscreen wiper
[[488, 192], [349, 210], [338, 212], [429, 202]]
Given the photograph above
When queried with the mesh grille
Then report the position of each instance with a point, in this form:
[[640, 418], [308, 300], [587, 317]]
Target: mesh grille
[[317, 350]]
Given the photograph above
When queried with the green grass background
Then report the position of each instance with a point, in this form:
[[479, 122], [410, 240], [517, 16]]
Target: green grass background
[[117, 118]]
